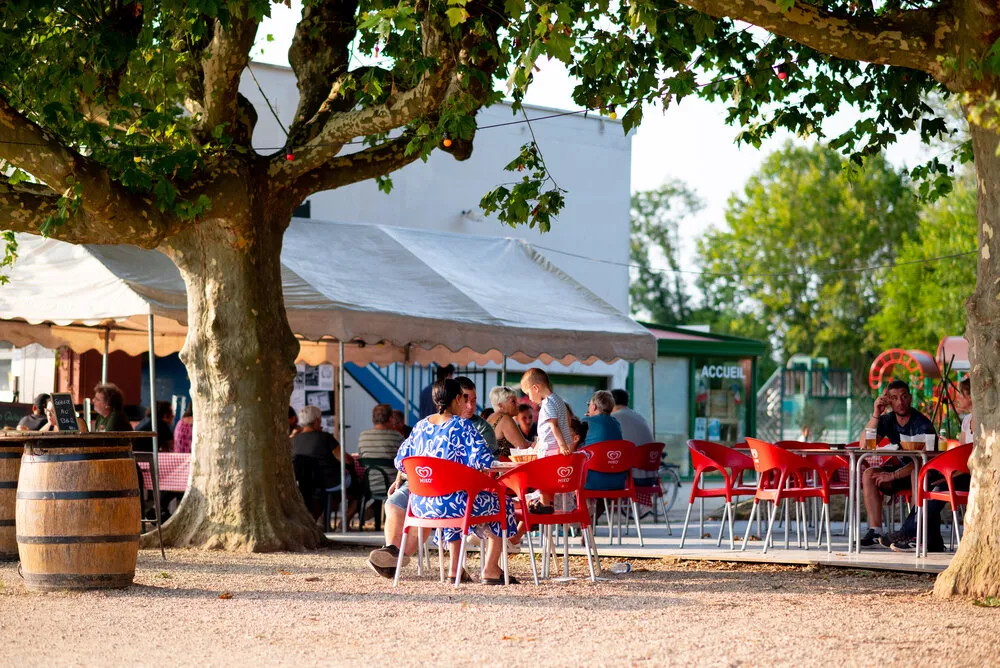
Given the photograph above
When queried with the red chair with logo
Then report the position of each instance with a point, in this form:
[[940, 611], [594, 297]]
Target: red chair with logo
[[647, 459], [613, 457], [559, 474], [782, 474], [953, 462], [707, 456], [432, 476]]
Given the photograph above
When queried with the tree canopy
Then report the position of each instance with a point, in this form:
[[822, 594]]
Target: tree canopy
[[920, 302], [801, 225], [655, 295]]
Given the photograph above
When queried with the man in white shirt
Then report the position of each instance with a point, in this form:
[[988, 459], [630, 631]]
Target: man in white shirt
[[635, 429]]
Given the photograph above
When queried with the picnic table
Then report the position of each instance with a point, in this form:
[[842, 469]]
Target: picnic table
[[175, 468]]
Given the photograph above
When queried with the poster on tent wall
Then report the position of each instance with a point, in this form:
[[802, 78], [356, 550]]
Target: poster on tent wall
[[314, 386]]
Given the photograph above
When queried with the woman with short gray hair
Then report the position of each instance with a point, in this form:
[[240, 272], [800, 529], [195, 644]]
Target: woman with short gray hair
[[602, 426], [504, 402]]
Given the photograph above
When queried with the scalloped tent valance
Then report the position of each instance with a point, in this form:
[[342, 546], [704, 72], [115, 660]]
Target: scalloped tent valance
[[392, 294]]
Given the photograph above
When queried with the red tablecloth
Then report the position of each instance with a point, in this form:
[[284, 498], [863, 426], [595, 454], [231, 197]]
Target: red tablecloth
[[174, 469]]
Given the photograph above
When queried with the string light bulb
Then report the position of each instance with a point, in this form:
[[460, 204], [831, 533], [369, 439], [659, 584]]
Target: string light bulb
[[446, 142]]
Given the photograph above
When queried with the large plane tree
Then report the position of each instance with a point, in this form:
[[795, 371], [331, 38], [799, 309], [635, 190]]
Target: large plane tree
[[791, 65], [121, 122]]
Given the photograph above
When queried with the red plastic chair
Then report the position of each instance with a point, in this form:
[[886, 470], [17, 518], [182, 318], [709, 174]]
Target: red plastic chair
[[558, 474], [953, 462], [613, 457], [789, 469], [432, 476], [708, 456], [647, 459]]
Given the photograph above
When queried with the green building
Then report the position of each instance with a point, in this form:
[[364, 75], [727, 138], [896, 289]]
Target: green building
[[704, 388]]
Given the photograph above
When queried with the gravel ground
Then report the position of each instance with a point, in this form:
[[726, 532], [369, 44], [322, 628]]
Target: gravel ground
[[209, 609]]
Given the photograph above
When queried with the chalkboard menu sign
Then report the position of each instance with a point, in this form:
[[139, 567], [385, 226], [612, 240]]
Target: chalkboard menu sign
[[65, 411], [11, 414]]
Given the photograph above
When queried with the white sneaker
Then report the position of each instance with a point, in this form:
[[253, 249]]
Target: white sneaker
[[512, 548]]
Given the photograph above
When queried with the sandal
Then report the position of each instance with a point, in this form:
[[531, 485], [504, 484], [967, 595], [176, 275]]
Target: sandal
[[493, 582], [539, 508], [466, 578]]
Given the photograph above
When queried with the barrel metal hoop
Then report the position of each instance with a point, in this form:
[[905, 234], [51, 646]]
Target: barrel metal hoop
[[77, 580], [6, 523], [10, 455], [8, 484], [77, 457], [77, 496], [67, 540]]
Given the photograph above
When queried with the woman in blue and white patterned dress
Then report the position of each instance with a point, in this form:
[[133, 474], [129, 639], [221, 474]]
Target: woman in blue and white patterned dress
[[445, 435]]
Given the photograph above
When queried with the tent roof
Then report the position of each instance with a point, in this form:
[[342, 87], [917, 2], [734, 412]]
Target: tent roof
[[392, 292]]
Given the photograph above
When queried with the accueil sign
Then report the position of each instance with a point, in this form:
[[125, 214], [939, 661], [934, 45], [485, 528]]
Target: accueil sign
[[719, 371]]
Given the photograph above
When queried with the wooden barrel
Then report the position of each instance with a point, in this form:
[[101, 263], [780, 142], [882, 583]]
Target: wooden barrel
[[78, 512], [10, 464]]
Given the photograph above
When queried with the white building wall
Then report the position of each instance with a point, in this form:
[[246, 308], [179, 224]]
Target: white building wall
[[590, 157]]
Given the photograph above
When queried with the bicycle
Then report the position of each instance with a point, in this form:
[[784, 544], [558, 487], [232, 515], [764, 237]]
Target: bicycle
[[670, 483]]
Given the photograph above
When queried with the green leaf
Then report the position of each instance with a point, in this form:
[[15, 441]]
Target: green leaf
[[560, 46], [456, 16]]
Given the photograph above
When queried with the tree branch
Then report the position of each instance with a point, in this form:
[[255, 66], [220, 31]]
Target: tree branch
[[319, 56], [29, 147], [222, 64], [913, 38], [26, 206], [108, 213], [354, 167], [398, 110]]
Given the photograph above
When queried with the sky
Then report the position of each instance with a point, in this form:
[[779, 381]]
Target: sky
[[690, 142]]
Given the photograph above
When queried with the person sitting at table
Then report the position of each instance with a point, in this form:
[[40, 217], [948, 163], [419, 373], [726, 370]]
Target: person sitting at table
[[51, 424], [526, 421], [508, 433], [469, 413], [579, 432], [184, 431], [315, 460], [109, 404], [553, 425], [447, 435], [399, 423], [164, 429], [904, 540], [602, 426], [36, 420], [893, 476]]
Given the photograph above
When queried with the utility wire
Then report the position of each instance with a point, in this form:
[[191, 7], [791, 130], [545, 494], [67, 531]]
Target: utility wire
[[819, 272]]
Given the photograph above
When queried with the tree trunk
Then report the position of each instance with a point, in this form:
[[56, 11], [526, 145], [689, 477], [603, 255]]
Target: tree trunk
[[240, 353], [975, 568]]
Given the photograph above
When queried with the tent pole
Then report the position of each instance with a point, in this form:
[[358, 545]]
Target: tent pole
[[503, 371], [104, 359], [343, 436], [156, 430], [406, 392], [652, 398]]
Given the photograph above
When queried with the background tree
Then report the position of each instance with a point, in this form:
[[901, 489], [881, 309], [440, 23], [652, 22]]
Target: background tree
[[801, 219], [919, 303], [121, 122], [655, 295], [802, 64]]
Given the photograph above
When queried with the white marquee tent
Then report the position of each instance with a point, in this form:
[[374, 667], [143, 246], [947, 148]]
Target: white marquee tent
[[398, 295], [391, 294]]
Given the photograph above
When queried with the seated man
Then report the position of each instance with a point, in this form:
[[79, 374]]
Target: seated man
[[904, 540], [398, 423], [37, 419], [380, 442], [315, 459], [894, 476]]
